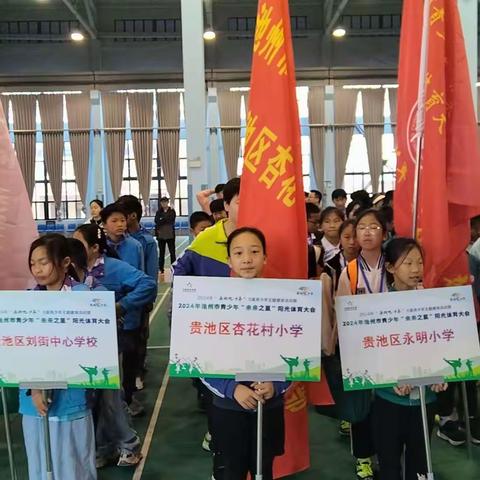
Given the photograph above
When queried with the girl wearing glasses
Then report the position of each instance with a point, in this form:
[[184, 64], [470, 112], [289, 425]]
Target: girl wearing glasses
[[366, 274]]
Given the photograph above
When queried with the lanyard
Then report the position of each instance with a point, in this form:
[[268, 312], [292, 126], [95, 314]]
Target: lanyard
[[382, 277]]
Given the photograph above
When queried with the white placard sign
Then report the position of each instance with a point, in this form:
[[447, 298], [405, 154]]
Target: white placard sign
[[226, 326], [66, 337], [412, 334]]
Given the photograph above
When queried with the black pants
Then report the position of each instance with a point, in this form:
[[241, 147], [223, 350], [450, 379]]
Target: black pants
[[396, 427], [235, 434], [446, 400], [162, 243], [362, 438], [128, 341], [143, 336]]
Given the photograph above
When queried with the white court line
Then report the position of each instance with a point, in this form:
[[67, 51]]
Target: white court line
[[178, 246], [159, 304], [161, 395], [158, 347], [151, 426]]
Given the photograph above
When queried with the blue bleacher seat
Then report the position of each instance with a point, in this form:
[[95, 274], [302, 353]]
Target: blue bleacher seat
[[41, 227], [71, 227], [50, 228], [60, 227]]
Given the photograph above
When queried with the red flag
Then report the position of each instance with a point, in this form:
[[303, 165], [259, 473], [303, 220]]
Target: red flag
[[17, 227], [271, 195], [448, 193]]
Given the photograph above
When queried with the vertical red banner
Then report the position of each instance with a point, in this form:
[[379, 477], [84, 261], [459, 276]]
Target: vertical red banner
[[271, 196], [450, 159]]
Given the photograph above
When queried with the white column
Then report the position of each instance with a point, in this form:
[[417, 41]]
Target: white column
[[217, 172], [469, 17], [98, 183], [329, 162], [194, 97]]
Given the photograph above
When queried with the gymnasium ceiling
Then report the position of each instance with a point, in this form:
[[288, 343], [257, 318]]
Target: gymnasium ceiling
[[98, 18]]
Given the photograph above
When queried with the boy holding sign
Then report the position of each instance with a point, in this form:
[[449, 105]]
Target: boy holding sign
[[234, 403]]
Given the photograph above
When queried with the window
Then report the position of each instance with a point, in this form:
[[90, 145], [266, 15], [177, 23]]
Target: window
[[357, 172], [59, 29], [43, 205], [302, 101], [158, 187]]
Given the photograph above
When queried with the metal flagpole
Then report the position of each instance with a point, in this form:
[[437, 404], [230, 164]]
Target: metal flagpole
[[420, 121], [259, 377], [466, 412], [422, 384], [426, 432], [11, 460], [259, 474], [46, 431]]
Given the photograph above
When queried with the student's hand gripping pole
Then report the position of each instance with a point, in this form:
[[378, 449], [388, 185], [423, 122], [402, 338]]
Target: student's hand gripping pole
[[8, 437], [259, 475], [46, 428]]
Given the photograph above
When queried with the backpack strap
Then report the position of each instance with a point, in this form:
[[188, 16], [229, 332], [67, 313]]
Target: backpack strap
[[352, 272]]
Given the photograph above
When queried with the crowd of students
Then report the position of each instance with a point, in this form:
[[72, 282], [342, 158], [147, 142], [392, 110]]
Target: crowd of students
[[351, 248], [92, 429]]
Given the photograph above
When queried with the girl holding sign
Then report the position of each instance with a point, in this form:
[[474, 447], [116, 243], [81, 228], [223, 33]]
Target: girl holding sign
[[116, 440], [363, 275], [397, 417], [72, 437], [234, 404]]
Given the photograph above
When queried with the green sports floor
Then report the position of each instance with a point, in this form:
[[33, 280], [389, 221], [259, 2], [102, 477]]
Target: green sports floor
[[173, 429]]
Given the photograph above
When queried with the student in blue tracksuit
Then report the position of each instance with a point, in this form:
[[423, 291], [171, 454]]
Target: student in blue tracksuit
[[235, 403], [117, 442], [72, 436], [127, 248], [133, 209], [134, 290]]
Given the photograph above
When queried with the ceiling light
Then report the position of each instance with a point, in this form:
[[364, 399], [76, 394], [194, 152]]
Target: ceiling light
[[209, 34], [76, 36], [339, 32]]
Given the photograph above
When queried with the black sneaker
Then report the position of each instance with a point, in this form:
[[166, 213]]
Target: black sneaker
[[452, 433]]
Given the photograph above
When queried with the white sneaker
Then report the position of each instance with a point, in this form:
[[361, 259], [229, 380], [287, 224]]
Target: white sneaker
[[139, 384], [129, 459], [206, 442]]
